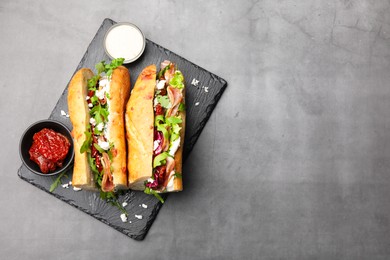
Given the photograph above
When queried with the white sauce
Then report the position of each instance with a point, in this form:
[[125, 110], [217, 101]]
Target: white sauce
[[125, 41]]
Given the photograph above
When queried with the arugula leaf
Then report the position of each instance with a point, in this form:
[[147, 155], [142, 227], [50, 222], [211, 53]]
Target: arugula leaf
[[160, 159], [177, 175], [173, 120], [112, 198], [153, 192], [100, 67], [177, 80], [182, 107], [87, 143], [57, 181], [162, 72], [98, 148], [164, 101], [114, 64]]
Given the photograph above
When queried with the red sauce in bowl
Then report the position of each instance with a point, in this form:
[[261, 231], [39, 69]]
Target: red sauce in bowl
[[49, 149]]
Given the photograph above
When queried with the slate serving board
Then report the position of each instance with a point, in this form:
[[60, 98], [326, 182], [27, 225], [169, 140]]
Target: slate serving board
[[201, 99]]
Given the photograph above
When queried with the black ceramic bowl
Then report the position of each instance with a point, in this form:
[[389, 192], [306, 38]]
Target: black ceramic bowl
[[27, 140]]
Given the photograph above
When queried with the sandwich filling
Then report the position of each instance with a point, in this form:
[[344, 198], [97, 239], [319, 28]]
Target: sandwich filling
[[168, 102], [97, 145]]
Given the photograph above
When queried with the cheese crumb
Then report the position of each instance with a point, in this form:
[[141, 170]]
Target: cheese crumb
[[65, 186], [63, 113], [160, 84], [156, 143], [144, 206], [124, 204], [76, 189], [123, 217], [100, 127], [197, 104], [195, 82], [104, 145], [92, 121], [138, 216], [206, 89]]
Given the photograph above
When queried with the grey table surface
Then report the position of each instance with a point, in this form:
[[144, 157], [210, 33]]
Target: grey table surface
[[294, 162]]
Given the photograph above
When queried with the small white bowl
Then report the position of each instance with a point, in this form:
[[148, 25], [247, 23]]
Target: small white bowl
[[124, 40]]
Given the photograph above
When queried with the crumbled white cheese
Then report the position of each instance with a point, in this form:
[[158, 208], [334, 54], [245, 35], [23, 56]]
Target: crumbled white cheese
[[144, 206], [63, 113], [67, 115], [174, 146], [104, 145], [100, 93], [65, 186], [206, 89], [124, 204], [92, 121], [130, 221], [103, 82], [138, 216], [90, 105], [70, 182], [123, 217], [197, 104], [195, 82], [160, 84], [87, 98], [100, 127], [156, 143], [76, 189], [155, 102]]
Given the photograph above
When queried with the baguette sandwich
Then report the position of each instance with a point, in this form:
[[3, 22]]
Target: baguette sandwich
[[96, 108], [155, 127]]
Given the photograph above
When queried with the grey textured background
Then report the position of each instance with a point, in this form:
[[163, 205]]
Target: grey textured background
[[293, 164]]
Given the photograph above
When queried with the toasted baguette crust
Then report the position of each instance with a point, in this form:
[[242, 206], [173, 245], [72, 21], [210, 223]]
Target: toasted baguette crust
[[178, 182], [79, 116], [119, 94], [140, 128]]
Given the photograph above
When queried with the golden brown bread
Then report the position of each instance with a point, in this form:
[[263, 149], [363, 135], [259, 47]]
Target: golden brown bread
[[119, 94], [140, 128], [79, 116]]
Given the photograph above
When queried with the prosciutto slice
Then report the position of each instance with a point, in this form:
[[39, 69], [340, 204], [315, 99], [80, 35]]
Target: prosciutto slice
[[107, 181], [170, 167], [175, 97]]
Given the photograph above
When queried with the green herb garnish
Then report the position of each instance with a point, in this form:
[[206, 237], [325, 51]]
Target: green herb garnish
[[57, 181], [177, 81], [177, 175], [153, 192]]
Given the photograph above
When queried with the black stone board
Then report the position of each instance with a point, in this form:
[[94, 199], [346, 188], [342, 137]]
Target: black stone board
[[201, 99]]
